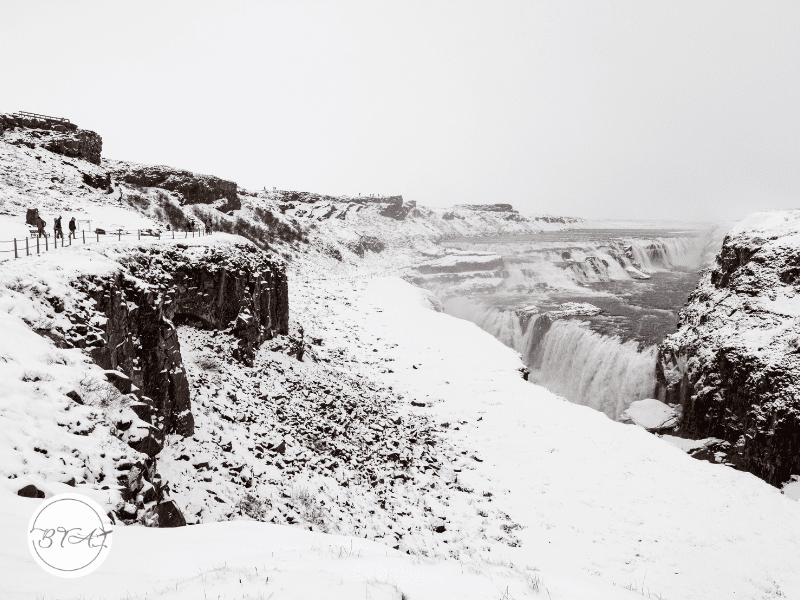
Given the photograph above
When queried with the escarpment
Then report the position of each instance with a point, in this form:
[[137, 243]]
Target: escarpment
[[194, 187], [131, 327], [734, 364], [60, 137]]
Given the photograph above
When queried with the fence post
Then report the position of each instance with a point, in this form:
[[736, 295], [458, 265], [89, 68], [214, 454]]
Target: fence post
[[27, 250], [37, 244], [119, 234], [15, 248], [140, 233], [98, 236], [173, 234], [70, 240], [83, 233], [45, 243]]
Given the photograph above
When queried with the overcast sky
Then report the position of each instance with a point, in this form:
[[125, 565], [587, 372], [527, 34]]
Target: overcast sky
[[685, 110]]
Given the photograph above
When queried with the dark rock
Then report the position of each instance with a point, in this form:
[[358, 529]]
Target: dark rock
[[127, 512], [119, 380], [487, 207], [58, 137], [97, 180], [241, 288], [367, 242], [148, 444], [194, 187], [733, 364], [74, 396], [30, 491], [169, 515]]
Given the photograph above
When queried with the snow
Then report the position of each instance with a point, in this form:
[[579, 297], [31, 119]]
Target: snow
[[650, 414], [595, 498], [775, 223], [532, 491], [246, 559]]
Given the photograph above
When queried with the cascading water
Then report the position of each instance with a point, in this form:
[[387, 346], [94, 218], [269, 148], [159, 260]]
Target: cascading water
[[588, 368], [606, 361], [566, 357]]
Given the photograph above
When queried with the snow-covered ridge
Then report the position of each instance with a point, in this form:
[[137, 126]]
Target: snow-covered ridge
[[733, 364]]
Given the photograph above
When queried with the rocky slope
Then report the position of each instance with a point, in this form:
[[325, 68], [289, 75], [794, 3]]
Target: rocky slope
[[60, 137], [192, 187], [733, 365]]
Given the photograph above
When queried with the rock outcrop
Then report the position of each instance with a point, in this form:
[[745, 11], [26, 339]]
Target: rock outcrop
[[463, 262], [194, 187], [131, 328], [54, 135], [734, 363], [488, 207]]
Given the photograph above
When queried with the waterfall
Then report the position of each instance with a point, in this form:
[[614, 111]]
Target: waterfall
[[592, 369], [565, 355], [502, 324], [569, 359], [669, 253]]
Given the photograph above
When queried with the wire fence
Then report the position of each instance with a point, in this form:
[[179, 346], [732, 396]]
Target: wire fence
[[37, 243], [352, 278]]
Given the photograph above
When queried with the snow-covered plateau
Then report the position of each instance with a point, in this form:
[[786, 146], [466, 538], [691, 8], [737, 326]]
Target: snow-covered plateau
[[275, 406]]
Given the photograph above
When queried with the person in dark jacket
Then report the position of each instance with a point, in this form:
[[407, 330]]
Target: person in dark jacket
[[59, 231], [72, 228], [40, 226]]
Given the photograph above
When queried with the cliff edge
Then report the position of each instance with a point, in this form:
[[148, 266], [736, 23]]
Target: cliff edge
[[734, 363]]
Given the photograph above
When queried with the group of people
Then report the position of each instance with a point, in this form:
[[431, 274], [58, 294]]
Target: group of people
[[58, 232]]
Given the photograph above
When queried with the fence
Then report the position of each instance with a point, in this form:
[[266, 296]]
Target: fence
[[45, 117], [351, 278], [36, 244]]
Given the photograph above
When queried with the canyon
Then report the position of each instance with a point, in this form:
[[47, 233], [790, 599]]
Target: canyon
[[310, 366]]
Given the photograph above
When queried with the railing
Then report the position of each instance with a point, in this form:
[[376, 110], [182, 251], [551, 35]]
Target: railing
[[38, 244], [38, 116]]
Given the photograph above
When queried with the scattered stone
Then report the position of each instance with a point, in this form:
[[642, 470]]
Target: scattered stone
[[30, 491]]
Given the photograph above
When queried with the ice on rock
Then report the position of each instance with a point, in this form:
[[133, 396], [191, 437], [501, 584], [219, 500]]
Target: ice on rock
[[651, 414]]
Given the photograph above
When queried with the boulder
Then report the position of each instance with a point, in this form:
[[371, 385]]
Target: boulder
[[169, 515], [30, 491]]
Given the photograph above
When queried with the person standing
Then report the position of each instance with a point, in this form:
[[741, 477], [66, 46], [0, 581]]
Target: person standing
[[58, 231], [72, 228], [40, 226]]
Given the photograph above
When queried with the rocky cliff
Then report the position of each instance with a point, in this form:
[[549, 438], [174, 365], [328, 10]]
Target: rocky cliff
[[56, 136], [734, 363], [194, 187], [130, 327]]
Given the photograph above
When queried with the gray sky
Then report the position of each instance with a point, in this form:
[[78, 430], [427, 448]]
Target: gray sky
[[685, 110]]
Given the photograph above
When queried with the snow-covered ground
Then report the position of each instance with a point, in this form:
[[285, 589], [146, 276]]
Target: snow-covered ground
[[520, 494], [597, 506]]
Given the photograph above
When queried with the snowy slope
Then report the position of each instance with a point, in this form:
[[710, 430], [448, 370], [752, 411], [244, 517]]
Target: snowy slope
[[595, 498]]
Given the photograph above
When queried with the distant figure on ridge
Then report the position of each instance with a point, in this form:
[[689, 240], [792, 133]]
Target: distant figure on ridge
[[72, 228]]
